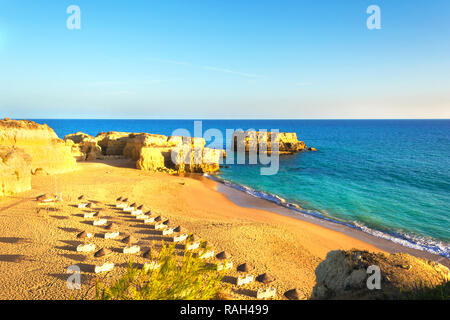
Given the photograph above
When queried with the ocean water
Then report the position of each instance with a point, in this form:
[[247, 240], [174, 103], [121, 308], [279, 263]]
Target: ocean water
[[390, 178]]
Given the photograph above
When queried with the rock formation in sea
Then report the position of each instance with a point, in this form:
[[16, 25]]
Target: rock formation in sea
[[152, 152], [48, 153], [15, 170], [261, 141], [345, 274]]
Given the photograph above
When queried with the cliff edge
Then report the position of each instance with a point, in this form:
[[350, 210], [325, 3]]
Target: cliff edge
[[15, 170], [48, 153], [152, 152]]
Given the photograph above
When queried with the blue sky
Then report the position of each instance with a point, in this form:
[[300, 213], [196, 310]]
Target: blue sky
[[225, 59]]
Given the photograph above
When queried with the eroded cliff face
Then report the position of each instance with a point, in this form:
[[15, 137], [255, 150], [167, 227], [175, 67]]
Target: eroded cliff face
[[173, 154], [83, 146], [152, 152], [344, 275], [259, 141], [15, 170], [49, 154], [113, 143]]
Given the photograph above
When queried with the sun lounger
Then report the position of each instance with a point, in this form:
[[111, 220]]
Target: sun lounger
[[160, 226], [225, 266], [154, 265], [167, 232], [241, 280], [87, 215], [111, 235], [266, 294], [180, 238], [86, 247], [107, 266], [149, 220], [131, 249], [100, 222], [206, 254], [193, 246]]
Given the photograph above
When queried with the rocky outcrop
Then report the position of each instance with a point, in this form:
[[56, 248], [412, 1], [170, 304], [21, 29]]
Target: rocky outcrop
[[259, 141], [173, 154], [113, 143], [192, 156], [49, 154], [15, 170], [153, 159], [83, 146], [152, 152], [345, 274], [136, 142]]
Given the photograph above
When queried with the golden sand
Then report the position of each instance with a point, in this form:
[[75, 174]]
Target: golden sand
[[37, 247]]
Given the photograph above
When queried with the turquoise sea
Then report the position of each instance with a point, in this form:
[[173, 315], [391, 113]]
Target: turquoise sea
[[390, 178]]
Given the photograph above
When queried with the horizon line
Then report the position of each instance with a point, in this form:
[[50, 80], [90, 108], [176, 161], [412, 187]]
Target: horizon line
[[164, 118], [226, 118]]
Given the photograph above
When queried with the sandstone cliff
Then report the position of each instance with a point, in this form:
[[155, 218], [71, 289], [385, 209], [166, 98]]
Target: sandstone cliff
[[152, 152], [15, 170], [49, 154], [265, 142], [173, 154], [113, 143], [343, 275], [83, 146]]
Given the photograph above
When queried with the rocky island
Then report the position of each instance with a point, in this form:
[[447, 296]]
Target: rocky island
[[263, 141]]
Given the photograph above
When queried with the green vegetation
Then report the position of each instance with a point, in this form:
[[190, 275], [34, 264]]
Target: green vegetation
[[177, 278], [440, 292]]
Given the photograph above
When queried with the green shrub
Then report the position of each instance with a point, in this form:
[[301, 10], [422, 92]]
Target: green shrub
[[440, 292], [178, 278]]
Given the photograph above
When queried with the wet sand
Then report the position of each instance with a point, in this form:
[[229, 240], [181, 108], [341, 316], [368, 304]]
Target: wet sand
[[248, 201], [36, 248]]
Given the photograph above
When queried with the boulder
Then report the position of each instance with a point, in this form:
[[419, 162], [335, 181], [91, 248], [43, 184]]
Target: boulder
[[259, 141], [83, 146], [15, 170], [49, 154], [344, 275]]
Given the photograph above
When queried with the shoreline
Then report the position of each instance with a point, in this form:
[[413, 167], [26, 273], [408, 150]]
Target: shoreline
[[246, 200], [37, 247]]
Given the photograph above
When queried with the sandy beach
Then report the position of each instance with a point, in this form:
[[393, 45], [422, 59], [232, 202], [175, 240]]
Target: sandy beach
[[36, 248]]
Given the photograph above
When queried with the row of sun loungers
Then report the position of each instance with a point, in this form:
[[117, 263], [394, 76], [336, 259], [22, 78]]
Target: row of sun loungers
[[178, 236]]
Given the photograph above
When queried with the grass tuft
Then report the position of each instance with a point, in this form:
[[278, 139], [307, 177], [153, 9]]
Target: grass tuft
[[178, 278]]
